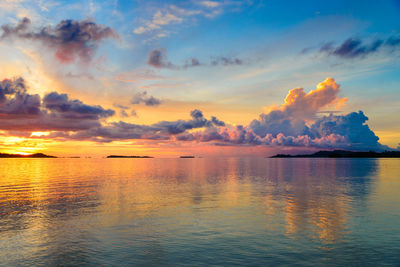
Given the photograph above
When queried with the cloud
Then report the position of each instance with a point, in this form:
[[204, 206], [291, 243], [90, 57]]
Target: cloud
[[217, 122], [352, 127], [329, 132], [352, 48], [299, 106], [22, 111], [158, 58], [216, 61], [120, 106], [180, 126], [159, 19], [133, 113], [162, 130], [210, 4], [295, 123], [226, 61], [393, 41], [148, 100], [14, 99], [123, 113], [71, 39], [74, 109], [357, 48], [123, 110], [157, 26], [193, 62]]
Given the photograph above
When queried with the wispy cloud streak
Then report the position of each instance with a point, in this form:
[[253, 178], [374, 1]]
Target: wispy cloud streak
[[358, 48]]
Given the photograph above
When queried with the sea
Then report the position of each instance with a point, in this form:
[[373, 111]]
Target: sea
[[199, 212]]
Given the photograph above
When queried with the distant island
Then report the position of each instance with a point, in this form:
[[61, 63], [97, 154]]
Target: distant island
[[131, 157], [36, 155], [344, 154], [186, 157]]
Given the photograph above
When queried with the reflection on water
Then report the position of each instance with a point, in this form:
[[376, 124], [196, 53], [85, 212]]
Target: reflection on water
[[317, 194], [199, 211]]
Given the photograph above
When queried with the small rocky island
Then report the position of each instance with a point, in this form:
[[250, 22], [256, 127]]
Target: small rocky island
[[186, 157], [36, 155], [130, 157], [344, 154]]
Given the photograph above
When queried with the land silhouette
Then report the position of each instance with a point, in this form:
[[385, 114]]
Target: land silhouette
[[134, 157], [344, 154], [36, 155]]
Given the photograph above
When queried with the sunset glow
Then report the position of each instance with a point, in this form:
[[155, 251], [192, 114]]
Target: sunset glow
[[199, 133], [90, 82]]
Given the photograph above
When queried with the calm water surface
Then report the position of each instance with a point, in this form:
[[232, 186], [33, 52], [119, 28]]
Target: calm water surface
[[227, 211]]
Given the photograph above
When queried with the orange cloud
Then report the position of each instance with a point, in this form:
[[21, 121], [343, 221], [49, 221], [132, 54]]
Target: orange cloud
[[304, 105]]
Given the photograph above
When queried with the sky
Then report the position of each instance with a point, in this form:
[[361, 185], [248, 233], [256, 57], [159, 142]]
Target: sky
[[204, 78]]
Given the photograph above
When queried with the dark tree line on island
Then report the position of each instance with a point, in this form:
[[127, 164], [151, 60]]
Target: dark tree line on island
[[344, 154]]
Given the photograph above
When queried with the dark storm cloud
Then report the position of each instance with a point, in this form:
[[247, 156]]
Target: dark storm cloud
[[71, 39], [11, 87], [355, 47], [20, 110], [61, 104], [15, 100], [148, 100]]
